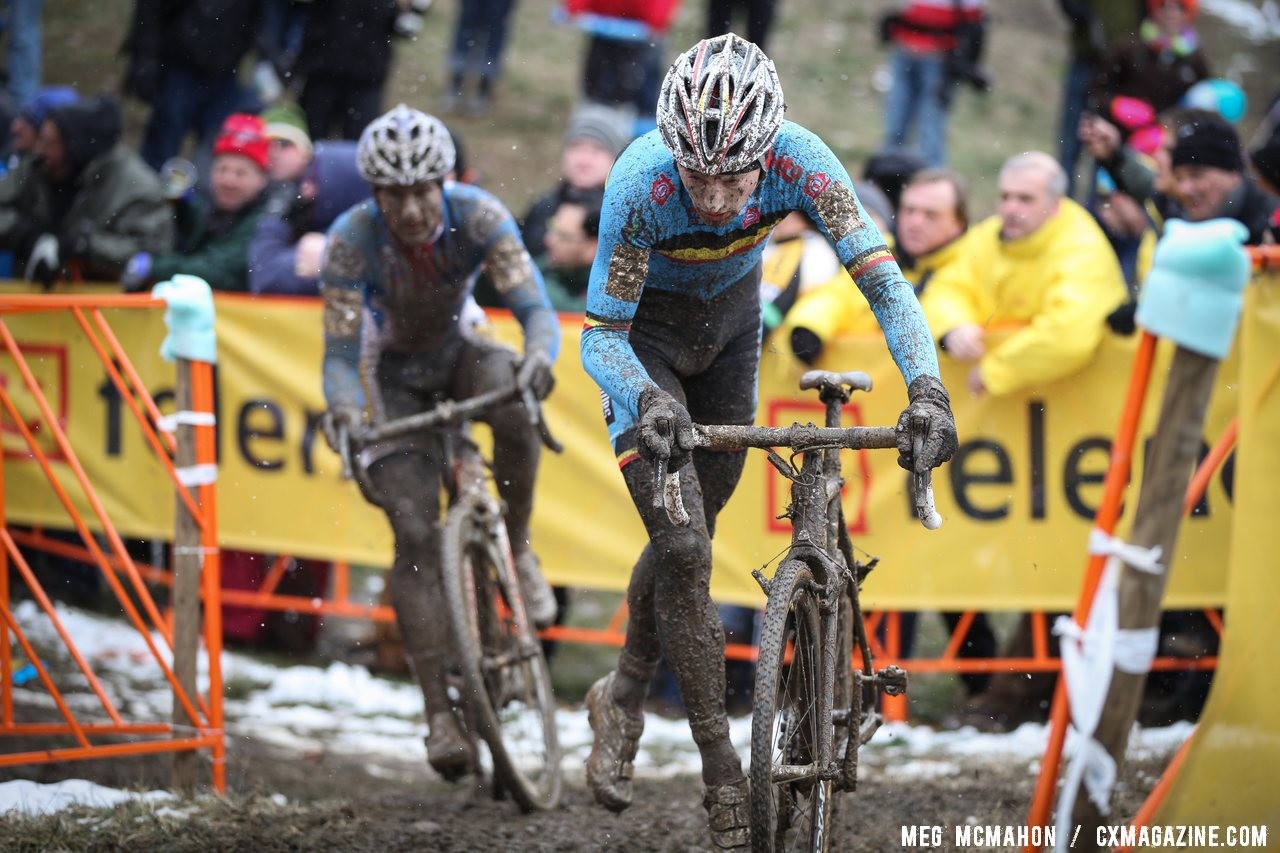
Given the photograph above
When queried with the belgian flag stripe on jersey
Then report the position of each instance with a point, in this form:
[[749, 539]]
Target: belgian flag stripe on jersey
[[697, 247]]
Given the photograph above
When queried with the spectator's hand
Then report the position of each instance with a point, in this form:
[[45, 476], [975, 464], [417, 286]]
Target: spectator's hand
[[341, 418], [929, 402], [666, 430], [1099, 137], [137, 272], [309, 254], [44, 264], [976, 386], [964, 343], [534, 374]]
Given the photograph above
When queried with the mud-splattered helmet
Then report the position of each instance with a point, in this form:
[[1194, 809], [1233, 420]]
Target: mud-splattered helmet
[[404, 147], [720, 106]]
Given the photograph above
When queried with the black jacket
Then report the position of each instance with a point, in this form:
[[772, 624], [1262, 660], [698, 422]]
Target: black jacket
[[348, 40]]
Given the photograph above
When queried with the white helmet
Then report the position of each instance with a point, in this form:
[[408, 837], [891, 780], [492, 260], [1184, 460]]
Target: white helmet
[[721, 105], [405, 147]]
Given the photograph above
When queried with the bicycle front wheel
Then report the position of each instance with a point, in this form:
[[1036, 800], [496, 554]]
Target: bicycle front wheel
[[508, 683], [790, 798]]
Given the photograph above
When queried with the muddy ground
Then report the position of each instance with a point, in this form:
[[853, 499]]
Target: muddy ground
[[279, 800]]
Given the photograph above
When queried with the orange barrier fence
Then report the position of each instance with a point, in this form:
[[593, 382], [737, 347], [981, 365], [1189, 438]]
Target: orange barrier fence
[[188, 460]]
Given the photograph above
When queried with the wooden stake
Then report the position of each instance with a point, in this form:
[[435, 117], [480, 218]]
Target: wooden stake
[[1168, 470], [186, 584]]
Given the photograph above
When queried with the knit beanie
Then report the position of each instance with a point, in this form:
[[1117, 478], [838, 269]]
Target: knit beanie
[[246, 135], [608, 126], [45, 99], [286, 121], [1208, 141]]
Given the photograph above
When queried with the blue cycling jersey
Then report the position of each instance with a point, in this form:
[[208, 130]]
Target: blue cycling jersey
[[381, 295], [651, 237]]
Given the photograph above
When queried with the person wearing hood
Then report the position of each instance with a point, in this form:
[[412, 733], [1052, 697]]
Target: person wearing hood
[[85, 203], [24, 129], [214, 229], [288, 245]]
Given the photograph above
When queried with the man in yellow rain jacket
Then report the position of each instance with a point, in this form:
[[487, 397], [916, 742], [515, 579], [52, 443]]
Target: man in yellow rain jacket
[[1042, 266], [932, 217]]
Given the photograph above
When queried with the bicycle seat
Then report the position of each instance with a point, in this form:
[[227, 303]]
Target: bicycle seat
[[854, 380]]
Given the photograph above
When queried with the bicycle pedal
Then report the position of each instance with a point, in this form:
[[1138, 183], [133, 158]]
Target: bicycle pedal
[[892, 680]]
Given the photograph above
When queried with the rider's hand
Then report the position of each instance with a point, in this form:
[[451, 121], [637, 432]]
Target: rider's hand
[[332, 422], [929, 401], [534, 373], [666, 430]]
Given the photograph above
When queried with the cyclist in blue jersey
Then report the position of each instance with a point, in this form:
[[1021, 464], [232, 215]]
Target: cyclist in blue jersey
[[672, 337], [397, 278]]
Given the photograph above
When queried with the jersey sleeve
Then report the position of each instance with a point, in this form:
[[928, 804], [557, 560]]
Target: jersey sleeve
[[618, 277], [346, 276], [516, 278], [822, 188]]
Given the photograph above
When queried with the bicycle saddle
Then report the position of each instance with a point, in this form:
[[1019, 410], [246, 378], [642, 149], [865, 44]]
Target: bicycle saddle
[[854, 380]]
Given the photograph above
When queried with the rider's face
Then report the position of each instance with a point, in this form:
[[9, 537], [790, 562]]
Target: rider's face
[[413, 213], [718, 199]]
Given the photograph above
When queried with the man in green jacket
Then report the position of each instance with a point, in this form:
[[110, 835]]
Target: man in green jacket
[[214, 230], [85, 203]]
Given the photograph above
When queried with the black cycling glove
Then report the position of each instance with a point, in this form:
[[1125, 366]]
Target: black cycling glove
[[338, 416], [929, 401], [534, 373], [666, 430]]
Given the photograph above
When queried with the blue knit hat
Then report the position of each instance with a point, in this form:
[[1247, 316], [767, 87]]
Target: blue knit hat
[[45, 100]]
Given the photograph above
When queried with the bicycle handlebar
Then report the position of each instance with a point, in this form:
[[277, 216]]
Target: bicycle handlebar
[[801, 438], [445, 412]]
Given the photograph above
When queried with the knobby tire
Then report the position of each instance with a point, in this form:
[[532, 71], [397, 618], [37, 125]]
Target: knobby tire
[[794, 814], [505, 675]]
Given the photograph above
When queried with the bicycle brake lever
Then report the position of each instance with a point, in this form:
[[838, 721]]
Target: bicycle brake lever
[[673, 500], [925, 510], [667, 496], [344, 451]]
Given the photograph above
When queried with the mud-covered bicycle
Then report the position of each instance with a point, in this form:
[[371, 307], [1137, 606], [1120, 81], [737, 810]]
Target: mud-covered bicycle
[[813, 708], [505, 696]]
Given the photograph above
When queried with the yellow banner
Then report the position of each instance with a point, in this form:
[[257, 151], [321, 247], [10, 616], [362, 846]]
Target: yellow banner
[[1227, 779], [1017, 501]]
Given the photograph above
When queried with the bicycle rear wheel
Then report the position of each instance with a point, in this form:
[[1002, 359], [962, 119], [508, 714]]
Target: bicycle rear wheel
[[508, 684], [790, 801]]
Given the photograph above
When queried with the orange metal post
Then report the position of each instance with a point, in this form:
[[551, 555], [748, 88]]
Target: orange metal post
[[206, 454]]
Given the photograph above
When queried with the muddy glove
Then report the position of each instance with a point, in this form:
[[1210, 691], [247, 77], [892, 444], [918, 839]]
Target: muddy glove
[[44, 263], [534, 373], [666, 430], [929, 400], [339, 416]]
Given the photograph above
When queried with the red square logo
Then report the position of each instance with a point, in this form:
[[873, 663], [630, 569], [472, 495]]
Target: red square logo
[[48, 364], [854, 465]]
